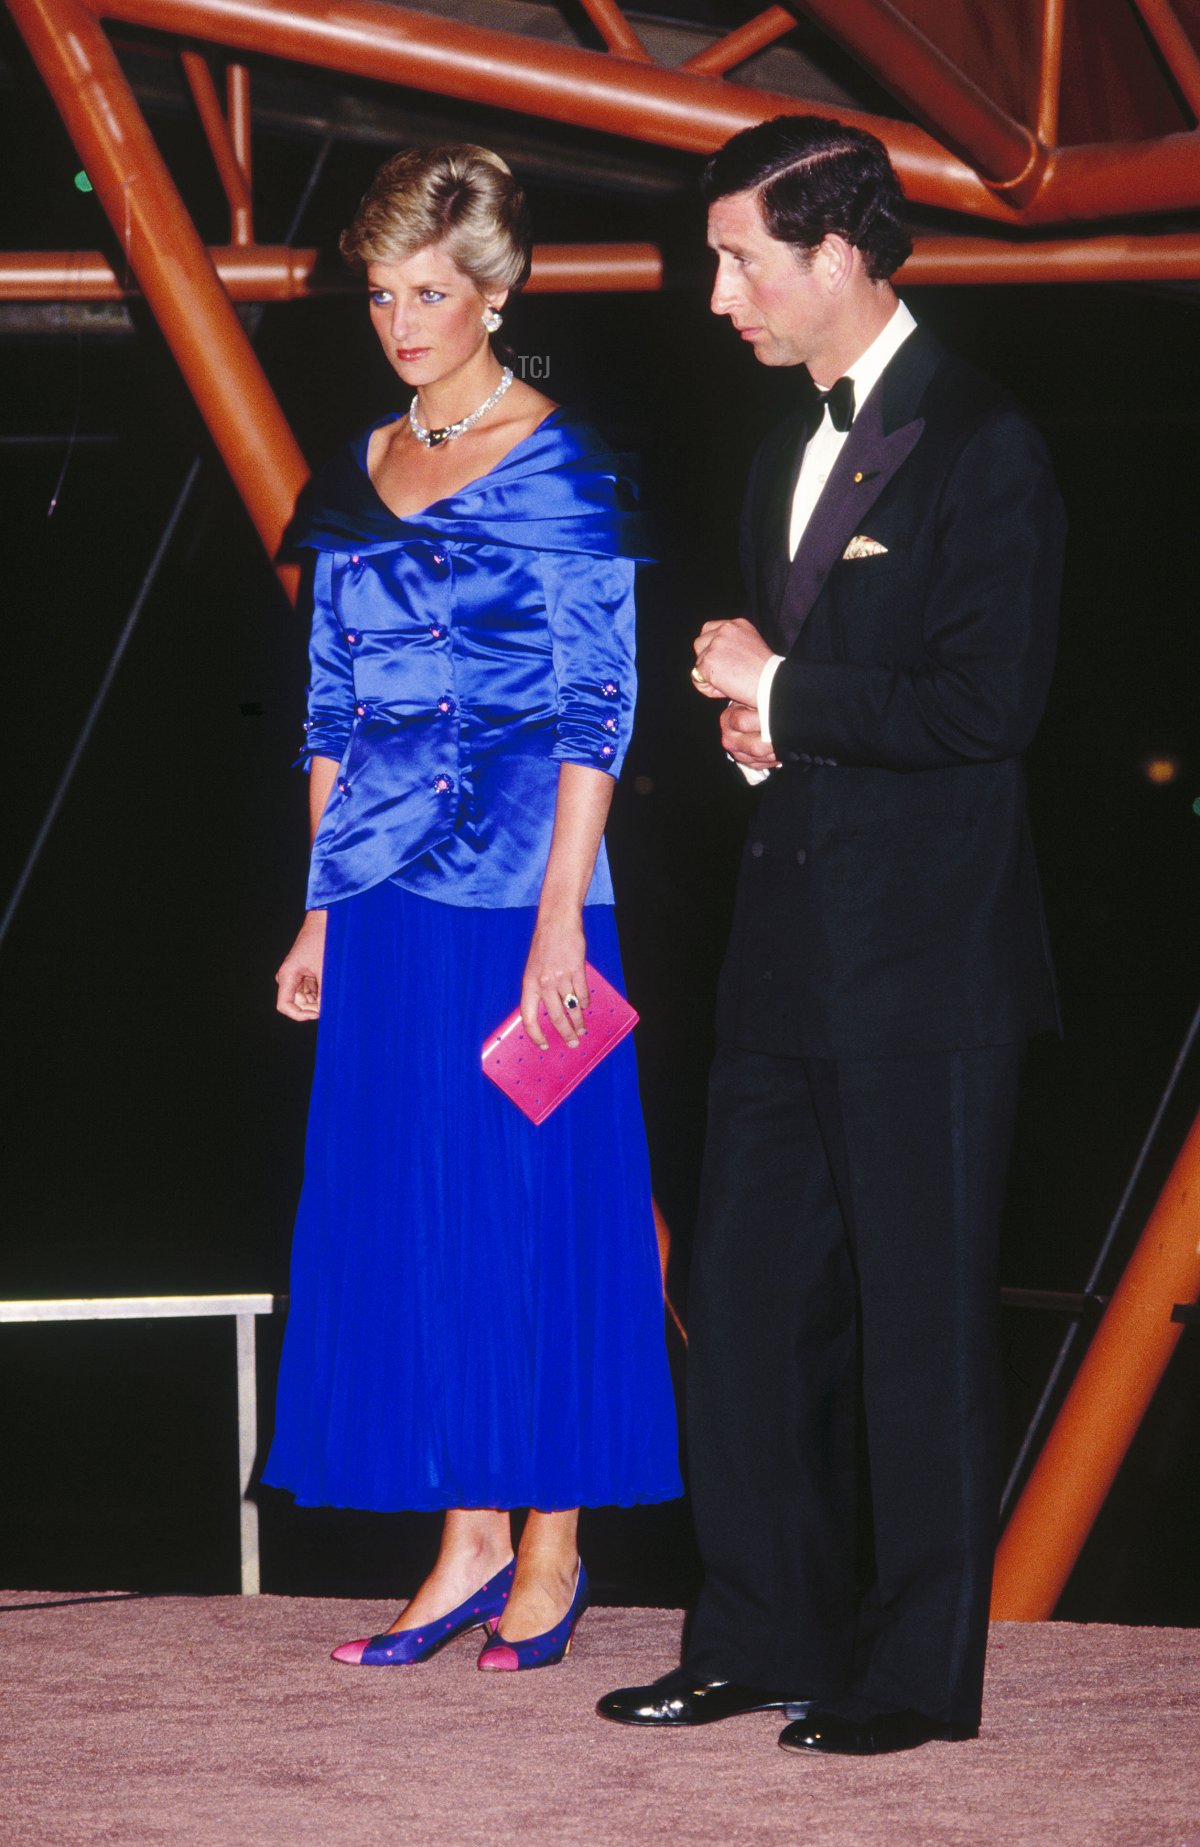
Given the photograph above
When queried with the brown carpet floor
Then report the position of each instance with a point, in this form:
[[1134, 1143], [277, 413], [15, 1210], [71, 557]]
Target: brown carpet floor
[[220, 1720]]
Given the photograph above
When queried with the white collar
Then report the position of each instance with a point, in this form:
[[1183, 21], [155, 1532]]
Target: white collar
[[868, 367]]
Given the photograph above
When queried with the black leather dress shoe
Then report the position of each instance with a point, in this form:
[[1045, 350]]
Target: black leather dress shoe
[[826, 1732], [678, 1698]]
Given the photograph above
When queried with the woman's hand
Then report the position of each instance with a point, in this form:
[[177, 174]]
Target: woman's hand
[[299, 977], [556, 972], [556, 975]]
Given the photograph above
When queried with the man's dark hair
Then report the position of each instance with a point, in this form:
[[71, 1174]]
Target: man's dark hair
[[814, 177]]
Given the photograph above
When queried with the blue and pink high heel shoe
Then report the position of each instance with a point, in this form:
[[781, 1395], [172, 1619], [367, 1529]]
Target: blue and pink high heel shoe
[[538, 1650], [404, 1647]]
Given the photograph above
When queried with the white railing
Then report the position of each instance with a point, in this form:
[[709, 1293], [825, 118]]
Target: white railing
[[244, 1309]]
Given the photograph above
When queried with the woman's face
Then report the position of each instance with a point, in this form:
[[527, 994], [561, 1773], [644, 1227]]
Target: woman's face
[[428, 315]]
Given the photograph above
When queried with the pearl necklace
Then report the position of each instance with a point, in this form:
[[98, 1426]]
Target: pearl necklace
[[433, 439]]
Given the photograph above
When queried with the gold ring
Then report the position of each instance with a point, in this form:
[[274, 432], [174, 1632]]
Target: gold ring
[[697, 677]]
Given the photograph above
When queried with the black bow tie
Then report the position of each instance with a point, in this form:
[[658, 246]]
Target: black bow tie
[[838, 400]]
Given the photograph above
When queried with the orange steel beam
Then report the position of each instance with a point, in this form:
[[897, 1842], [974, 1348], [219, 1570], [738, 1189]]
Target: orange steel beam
[[567, 269], [911, 65], [165, 253], [224, 153], [1107, 1401], [262, 272], [237, 112], [1050, 84], [616, 31], [678, 108], [1123, 257], [274, 272], [589, 89], [1178, 53], [662, 107], [1116, 179], [740, 44], [663, 1235]]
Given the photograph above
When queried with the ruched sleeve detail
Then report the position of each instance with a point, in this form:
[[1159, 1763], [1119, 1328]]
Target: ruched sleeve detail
[[590, 607], [330, 717]]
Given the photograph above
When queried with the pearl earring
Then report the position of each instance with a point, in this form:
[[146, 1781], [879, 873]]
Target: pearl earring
[[491, 319]]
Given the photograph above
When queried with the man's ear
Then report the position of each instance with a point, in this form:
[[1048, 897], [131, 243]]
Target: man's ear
[[836, 258]]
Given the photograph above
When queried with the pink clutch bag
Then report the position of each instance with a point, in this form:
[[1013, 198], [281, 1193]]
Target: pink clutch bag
[[537, 1081]]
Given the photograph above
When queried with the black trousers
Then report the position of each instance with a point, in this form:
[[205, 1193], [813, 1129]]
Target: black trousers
[[843, 1377]]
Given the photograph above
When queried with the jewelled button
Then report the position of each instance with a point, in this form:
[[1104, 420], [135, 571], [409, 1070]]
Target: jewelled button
[[443, 785], [436, 631], [610, 689], [353, 636], [361, 710], [610, 724], [354, 558], [343, 785], [445, 706], [608, 750]]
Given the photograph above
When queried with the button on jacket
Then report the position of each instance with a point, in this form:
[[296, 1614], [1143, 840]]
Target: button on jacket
[[458, 656]]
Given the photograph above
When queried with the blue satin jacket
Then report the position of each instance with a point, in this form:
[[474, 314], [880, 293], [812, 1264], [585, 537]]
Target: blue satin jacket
[[458, 656]]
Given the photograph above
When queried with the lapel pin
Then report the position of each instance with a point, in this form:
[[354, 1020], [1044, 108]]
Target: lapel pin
[[858, 476]]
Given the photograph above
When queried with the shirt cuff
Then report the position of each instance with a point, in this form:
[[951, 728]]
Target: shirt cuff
[[765, 681], [763, 701]]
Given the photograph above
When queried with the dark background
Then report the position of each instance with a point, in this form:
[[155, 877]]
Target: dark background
[[153, 1121]]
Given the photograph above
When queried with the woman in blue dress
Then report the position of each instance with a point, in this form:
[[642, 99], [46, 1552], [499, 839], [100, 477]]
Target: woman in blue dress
[[476, 1314]]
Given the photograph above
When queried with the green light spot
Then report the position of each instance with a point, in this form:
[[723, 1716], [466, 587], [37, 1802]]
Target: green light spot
[[1196, 805], [82, 182]]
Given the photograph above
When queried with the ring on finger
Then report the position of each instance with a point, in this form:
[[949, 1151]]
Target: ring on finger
[[697, 677], [571, 1003]]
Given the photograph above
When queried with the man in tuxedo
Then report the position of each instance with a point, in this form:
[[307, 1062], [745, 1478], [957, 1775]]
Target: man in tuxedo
[[901, 543]]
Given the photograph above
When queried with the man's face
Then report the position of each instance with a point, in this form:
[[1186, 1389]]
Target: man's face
[[773, 293]]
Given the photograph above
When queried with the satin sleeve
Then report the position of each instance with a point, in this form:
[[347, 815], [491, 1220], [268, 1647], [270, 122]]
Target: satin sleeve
[[330, 719], [591, 613]]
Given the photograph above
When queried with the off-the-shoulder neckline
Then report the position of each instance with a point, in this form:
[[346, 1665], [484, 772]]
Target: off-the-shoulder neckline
[[363, 445]]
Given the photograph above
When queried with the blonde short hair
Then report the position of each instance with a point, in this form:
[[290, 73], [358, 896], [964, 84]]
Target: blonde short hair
[[461, 195]]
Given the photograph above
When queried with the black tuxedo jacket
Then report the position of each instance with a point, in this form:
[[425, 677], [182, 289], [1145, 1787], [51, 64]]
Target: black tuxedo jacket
[[888, 898]]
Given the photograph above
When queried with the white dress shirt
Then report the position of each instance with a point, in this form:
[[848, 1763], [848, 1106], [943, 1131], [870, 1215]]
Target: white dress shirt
[[820, 454]]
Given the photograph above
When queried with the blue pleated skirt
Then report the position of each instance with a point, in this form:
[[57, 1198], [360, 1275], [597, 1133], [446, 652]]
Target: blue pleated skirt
[[476, 1309]]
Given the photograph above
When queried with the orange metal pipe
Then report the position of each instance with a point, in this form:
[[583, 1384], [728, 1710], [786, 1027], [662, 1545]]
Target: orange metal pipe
[[667, 108], [922, 76], [237, 113], [264, 272], [663, 1235], [165, 253], [1173, 257], [273, 272], [566, 269], [664, 108], [1178, 53], [740, 44], [1107, 1401], [216, 133], [1050, 85], [616, 31], [589, 89], [1119, 178]]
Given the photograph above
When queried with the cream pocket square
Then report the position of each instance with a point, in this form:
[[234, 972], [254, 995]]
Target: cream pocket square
[[862, 547]]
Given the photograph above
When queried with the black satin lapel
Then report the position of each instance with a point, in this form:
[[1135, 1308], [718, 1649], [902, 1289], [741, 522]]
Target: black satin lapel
[[866, 464]]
